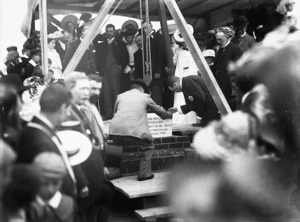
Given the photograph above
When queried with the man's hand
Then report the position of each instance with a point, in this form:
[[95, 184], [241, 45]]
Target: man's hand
[[156, 76], [173, 110], [84, 192]]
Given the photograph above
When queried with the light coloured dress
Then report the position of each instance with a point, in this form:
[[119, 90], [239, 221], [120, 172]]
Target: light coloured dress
[[56, 65], [185, 66]]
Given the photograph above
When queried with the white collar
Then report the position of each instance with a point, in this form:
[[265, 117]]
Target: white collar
[[226, 44], [53, 202], [110, 40], [45, 120], [243, 35], [32, 62], [25, 56]]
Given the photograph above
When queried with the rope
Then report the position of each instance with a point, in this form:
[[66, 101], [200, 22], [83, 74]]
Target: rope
[[142, 33], [148, 38]]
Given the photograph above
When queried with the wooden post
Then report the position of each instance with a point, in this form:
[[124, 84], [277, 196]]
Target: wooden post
[[164, 27], [44, 42], [201, 63], [92, 32]]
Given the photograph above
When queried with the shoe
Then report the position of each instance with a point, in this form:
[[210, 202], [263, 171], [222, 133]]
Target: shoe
[[146, 178]]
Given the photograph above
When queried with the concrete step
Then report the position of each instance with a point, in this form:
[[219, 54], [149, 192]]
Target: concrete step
[[132, 188], [151, 214]]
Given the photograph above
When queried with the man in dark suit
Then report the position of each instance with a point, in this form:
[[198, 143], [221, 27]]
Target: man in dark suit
[[33, 62], [227, 53], [111, 59], [93, 167], [157, 62], [87, 62], [197, 97], [40, 136]]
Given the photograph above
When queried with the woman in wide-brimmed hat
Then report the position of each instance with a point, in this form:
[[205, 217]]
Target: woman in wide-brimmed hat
[[69, 23], [56, 64]]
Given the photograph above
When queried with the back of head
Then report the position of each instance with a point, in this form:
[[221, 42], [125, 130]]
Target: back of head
[[53, 97], [50, 165], [72, 78], [172, 80]]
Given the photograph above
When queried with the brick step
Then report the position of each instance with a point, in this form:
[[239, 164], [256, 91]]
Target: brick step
[[173, 142], [159, 163]]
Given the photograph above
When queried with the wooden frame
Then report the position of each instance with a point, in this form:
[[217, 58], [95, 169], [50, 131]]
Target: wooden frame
[[203, 67], [174, 10]]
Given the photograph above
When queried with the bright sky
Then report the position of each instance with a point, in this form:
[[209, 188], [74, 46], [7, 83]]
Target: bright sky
[[12, 13]]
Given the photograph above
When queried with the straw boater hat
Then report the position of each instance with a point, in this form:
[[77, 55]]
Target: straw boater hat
[[55, 35], [178, 37], [77, 146], [172, 28], [209, 53], [67, 19]]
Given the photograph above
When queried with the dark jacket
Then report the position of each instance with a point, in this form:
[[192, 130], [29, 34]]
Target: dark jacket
[[158, 60], [198, 99], [34, 141], [93, 167], [119, 51], [28, 71], [87, 62], [223, 57]]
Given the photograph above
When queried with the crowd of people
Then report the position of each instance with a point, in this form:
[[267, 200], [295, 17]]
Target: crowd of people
[[54, 153]]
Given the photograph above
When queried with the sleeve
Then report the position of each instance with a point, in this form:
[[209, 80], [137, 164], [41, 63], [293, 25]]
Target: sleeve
[[160, 111]]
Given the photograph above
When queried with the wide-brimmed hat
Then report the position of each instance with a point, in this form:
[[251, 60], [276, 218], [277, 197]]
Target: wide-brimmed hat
[[55, 35], [130, 22], [67, 19], [178, 37], [141, 83], [77, 145]]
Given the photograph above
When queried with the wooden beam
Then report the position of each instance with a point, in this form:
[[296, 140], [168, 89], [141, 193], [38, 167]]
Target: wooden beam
[[203, 67], [165, 31], [197, 3], [98, 22], [44, 41], [132, 6]]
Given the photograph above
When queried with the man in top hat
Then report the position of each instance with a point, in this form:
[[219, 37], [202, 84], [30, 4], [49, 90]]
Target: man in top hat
[[129, 124], [111, 60], [242, 38], [33, 63], [197, 97], [227, 53], [40, 136], [79, 85], [87, 62], [50, 204]]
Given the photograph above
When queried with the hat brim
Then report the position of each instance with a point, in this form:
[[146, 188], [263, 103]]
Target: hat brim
[[130, 22], [68, 18], [177, 36], [69, 139]]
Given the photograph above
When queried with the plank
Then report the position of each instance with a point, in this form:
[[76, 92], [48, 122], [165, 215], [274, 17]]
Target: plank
[[44, 34], [132, 188], [154, 213], [201, 63]]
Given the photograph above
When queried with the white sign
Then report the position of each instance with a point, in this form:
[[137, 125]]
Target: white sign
[[159, 127]]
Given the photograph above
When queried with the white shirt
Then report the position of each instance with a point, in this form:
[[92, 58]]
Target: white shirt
[[53, 202]]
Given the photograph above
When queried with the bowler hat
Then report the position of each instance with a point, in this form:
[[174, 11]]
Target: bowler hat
[[141, 83]]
